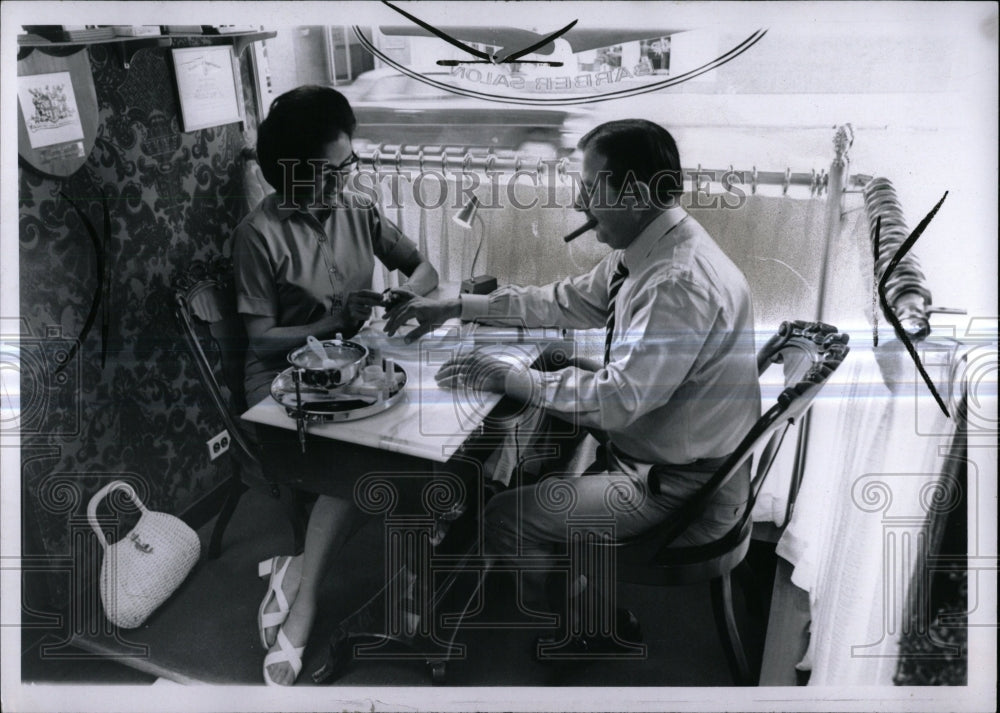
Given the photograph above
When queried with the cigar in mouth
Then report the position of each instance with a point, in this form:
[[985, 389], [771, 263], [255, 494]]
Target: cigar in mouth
[[589, 225]]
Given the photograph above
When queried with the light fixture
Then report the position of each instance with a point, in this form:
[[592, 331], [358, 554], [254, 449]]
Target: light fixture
[[476, 284]]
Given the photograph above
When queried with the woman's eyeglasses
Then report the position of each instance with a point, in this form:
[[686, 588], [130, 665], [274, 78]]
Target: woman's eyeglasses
[[344, 167]]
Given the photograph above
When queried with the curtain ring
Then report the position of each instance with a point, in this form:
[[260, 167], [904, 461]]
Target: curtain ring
[[786, 182], [491, 160], [444, 161], [467, 162], [420, 160], [376, 160], [561, 169], [518, 162], [753, 181], [399, 159], [700, 187], [814, 183]]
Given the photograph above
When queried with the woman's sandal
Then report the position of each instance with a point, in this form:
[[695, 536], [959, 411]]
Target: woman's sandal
[[276, 568], [286, 653]]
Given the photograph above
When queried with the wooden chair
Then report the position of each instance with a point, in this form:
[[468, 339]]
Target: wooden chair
[[810, 352], [206, 310]]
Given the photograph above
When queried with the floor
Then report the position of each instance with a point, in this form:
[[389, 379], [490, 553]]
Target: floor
[[207, 631]]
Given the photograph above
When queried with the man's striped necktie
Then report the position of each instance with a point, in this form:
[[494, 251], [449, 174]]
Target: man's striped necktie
[[621, 272]]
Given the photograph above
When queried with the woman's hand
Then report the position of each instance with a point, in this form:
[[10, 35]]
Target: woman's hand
[[429, 314], [359, 304], [395, 296], [477, 371]]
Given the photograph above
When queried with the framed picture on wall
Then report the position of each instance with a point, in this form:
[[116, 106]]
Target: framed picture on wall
[[208, 86], [49, 107]]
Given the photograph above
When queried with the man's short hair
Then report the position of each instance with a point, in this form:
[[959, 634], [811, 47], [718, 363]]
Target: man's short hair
[[636, 149], [299, 124]]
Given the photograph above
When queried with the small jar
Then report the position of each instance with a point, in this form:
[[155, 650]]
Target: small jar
[[390, 374]]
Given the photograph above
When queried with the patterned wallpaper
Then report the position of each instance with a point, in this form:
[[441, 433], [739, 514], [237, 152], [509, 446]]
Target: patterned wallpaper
[[171, 198]]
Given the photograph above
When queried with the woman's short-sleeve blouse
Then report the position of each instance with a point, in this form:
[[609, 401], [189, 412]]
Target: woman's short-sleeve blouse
[[293, 268]]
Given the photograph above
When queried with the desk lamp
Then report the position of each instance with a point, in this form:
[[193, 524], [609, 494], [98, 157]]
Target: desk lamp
[[476, 284]]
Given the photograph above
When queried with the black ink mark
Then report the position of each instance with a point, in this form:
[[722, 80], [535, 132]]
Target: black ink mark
[[878, 252], [887, 310], [96, 303], [440, 34], [106, 283]]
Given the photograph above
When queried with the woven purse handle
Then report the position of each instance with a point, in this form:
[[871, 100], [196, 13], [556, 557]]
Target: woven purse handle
[[99, 496]]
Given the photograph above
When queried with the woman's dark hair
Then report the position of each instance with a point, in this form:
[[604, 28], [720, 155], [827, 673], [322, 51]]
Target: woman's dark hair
[[636, 149], [299, 124]]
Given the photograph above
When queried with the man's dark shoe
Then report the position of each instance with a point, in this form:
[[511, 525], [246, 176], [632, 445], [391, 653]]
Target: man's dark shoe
[[625, 639]]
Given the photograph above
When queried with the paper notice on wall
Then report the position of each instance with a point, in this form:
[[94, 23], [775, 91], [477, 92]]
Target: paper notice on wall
[[207, 86]]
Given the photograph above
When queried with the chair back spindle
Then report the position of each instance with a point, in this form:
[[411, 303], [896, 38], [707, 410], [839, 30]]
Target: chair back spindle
[[809, 353]]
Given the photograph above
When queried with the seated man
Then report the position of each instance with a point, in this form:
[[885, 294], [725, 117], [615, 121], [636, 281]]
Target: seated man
[[678, 388]]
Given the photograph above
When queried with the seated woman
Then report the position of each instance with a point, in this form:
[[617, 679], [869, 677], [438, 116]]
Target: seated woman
[[304, 259]]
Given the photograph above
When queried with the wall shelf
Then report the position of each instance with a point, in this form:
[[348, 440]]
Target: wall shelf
[[127, 47]]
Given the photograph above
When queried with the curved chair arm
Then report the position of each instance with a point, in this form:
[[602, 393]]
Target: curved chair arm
[[826, 349], [798, 333], [209, 380]]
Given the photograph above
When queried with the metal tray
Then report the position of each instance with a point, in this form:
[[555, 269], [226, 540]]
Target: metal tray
[[330, 405]]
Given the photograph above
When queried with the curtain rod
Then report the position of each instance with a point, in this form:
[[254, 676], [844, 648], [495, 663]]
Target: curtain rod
[[389, 158], [386, 158]]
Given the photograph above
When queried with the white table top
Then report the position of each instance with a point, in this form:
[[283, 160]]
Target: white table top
[[428, 421]]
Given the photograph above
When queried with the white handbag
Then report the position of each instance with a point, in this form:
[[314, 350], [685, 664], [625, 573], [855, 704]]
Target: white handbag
[[143, 569]]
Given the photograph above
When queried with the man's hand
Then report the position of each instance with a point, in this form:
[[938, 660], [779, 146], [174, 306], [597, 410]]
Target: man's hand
[[428, 313], [476, 370], [359, 304]]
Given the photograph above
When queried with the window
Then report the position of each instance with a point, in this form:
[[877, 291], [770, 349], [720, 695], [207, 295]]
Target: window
[[402, 87]]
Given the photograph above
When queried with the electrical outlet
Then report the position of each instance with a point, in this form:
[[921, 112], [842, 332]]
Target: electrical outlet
[[218, 444]]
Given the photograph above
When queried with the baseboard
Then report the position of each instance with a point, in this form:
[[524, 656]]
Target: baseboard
[[108, 652]]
